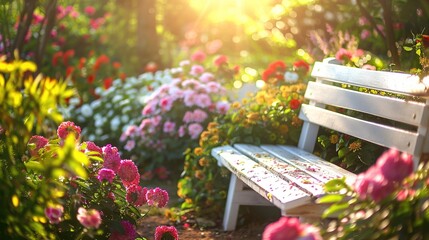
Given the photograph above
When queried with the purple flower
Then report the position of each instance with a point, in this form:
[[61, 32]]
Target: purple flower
[[54, 213], [166, 232], [128, 232], [157, 197], [106, 174]]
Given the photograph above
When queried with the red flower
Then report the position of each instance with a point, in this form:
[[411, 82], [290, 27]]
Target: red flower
[[90, 79], [67, 54], [294, 104], [122, 76], [55, 58], [278, 65], [301, 64], [107, 82], [198, 56], [82, 62], [151, 67], [103, 59], [267, 74], [116, 65], [69, 71], [222, 59], [236, 69]]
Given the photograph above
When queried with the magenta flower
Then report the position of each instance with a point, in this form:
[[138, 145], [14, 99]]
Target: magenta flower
[[207, 77], [89, 218], [136, 195], [68, 127], [166, 232], [166, 103], [54, 213], [128, 172], [112, 159], [106, 174], [395, 166], [130, 145], [157, 197], [89, 10], [169, 126], [220, 60], [197, 70], [38, 143], [343, 55], [128, 232], [90, 146]]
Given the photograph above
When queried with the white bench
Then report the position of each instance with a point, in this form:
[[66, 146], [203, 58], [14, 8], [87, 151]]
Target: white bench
[[292, 178]]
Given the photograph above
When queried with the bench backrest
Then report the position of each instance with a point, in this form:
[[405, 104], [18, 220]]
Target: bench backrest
[[409, 131]]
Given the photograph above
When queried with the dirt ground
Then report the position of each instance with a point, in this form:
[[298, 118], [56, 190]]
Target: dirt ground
[[250, 226]]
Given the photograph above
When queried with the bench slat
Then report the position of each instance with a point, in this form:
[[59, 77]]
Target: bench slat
[[283, 169], [376, 133], [377, 105], [276, 190], [386, 81]]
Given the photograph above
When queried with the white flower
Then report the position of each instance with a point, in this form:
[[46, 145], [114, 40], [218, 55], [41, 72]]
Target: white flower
[[125, 118], [98, 131], [291, 77], [74, 101], [96, 103], [114, 124], [117, 98], [98, 91], [86, 110], [91, 137]]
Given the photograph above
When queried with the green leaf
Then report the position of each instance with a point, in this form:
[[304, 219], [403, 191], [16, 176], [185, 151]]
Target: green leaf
[[336, 185], [408, 48], [331, 198], [342, 152], [34, 165], [335, 209]]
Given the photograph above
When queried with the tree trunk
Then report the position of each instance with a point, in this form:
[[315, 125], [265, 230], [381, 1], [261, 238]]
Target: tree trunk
[[25, 19], [48, 25], [390, 35], [147, 38]]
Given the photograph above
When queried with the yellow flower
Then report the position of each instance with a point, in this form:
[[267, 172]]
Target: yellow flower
[[199, 174], [212, 125], [198, 151], [236, 105], [334, 139], [203, 162], [253, 117], [283, 129], [355, 146]]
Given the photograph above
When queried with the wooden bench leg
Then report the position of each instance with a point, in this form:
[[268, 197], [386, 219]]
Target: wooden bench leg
[[232, 205], [239, 194]]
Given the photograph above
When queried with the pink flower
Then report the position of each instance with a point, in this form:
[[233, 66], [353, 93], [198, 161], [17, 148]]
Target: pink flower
[[149, 109], [206, 77], [188, 117], [128, 232], [37, 143], [373, 184], [368, 67], [190, 98], [106, 174], [214, 87], [157, 197], [222, 107], [166, 232], [203, 100], [136, 195], [54, 213], [405, 193], [196, 70], [68, 127], [199, 115], [166, 103], [220, 60], [182, 131], [198, 56], [169, 126], [89, 10], [130, 145], [112, 159], [284, 229], [89, 218], [194, 130], [343, 55], [395, 166], [161, 173], [128, 172], [92, 147]]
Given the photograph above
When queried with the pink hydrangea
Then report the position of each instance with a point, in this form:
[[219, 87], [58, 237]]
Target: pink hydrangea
[[106, 174], [66, 128], [149, 109], [194, 130], [166, 103], [89, 218], [190, 98], [169, 126], [37, 143], [198, 56], [136, 195], [207, 77], [128, 172], [188, 117], [395, 166], [166, 232], [199, 115], [112, 159], [54, 213], [203, 100], [128, 232], [157, 197], [214, 87]]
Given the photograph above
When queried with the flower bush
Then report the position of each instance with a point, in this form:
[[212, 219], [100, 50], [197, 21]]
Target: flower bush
[[387, 201], [101, 199], [175, 114], [104, 119], [270, 116]]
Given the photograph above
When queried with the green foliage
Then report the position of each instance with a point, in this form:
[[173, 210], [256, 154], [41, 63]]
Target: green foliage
[[28, 105]]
